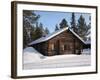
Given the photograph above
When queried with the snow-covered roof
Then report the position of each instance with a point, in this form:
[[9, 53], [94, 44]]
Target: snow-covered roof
[[77, 36], [49, 36]]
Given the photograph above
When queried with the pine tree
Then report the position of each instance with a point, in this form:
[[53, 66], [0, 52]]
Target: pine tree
[[32, 33], [38, 32], [56, 27], [89, 30], [82, 27], [29, 18], [41, 28], [73, 23], [63, 23], [46, 31], [25, 38]]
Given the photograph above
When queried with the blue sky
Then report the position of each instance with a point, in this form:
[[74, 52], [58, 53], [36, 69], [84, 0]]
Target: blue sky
[[50, 18]]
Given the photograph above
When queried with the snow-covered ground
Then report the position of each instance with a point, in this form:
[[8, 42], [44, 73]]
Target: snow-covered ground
[[35, 60]]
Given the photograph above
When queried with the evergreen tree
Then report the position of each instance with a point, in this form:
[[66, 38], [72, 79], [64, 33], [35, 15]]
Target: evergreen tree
[[46, 31], [41, 28], [89, 29], [25, 38], [82, 27], [56, 27], [73, 23], [38, 32], [63, 23], [33, 33], [29, 18]]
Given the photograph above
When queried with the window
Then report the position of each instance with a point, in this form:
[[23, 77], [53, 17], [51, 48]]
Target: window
[[65, 47], [52, 46]]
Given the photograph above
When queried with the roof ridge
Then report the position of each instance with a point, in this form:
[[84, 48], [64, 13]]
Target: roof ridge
[[49, 36], [77, 35]]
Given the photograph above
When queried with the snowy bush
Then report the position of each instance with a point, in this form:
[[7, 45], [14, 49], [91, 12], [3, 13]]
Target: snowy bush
[[86, 51]]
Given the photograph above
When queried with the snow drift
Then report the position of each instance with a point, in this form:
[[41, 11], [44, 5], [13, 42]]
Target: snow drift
[[31, 55]]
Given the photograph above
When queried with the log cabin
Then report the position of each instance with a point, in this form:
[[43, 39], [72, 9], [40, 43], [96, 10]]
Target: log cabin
[[63, 41]]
